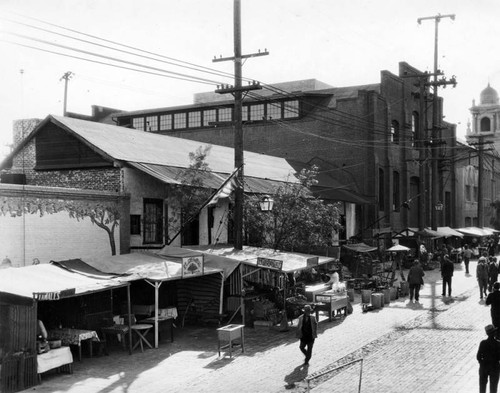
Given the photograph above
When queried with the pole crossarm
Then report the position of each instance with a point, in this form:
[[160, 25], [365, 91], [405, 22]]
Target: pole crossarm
[[259, 53]]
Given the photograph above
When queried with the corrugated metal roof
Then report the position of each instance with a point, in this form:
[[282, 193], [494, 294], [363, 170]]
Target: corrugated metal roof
[[173, 175], [131, 145]]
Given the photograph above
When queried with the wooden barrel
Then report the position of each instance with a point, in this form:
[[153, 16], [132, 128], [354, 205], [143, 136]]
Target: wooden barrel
[[387, 295], [377, 300], [405, 288], [394, 293], [350, 293]]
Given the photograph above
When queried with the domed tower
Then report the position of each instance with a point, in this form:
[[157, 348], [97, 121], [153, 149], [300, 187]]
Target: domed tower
[[486, 115]]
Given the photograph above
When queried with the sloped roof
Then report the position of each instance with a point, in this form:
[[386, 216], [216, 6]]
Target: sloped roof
[[129, 145], [50, 282]]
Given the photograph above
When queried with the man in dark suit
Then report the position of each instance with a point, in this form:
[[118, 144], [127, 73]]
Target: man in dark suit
[[307, 331], [447, 269], [488, 356]]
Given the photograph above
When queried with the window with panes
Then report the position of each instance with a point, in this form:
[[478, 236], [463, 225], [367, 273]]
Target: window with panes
[[151, 123], [153, 221], [165, 122], [138, 123], [194, 119], [274, 110], [179, 120], [209, 116], [291, 109]]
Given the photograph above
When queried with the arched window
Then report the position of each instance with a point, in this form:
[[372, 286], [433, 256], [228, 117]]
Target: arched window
[[485, 124], [415, 130], [395, 132]]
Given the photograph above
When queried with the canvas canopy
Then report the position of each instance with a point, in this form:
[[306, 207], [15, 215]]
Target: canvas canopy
[[449, 232], [144, 266], [398, 247], [475, 231], [228, 265], [51, 282], [249, 255], [360, 247]]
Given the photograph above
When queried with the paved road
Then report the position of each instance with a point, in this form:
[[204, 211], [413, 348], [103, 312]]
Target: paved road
[[427, 347]]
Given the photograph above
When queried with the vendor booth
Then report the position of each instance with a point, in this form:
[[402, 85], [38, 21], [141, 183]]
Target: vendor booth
[[269, 285], [165, 291], [25, 292]]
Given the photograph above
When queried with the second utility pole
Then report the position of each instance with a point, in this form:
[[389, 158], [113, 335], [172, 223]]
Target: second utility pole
[[435, 124], [237, 90]]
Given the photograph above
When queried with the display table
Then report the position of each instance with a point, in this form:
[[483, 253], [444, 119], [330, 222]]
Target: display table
[[74, 337], [164, 324], [228, 334], [331, 302], [312, 290], [119, 330], [58, 357]]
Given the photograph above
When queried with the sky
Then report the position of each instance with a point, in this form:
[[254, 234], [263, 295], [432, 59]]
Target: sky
[[338, 42]]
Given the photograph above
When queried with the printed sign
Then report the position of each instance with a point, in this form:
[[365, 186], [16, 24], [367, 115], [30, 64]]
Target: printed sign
[[313, 261], [270, 263], [192, 266]]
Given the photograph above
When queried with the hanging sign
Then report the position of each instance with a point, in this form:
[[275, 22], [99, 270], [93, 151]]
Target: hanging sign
[[313, 261], [270, 263], [192, 266]]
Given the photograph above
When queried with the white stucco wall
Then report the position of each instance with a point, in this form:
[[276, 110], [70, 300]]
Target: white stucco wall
[[52, 237]]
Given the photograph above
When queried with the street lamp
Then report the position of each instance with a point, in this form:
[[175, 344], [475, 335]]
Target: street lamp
[[266, 203]]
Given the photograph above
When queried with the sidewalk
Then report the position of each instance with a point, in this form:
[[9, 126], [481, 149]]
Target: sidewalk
[[426, 347]]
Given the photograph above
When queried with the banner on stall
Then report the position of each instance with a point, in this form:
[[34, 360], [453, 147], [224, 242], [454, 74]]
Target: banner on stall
[[270, 263], [192, 266]]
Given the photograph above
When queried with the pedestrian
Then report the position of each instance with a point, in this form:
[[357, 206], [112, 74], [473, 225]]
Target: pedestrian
[[482, 276], [493, 300], [488, 356], [467, 255], [307, 331], [492, 273], [447, 270], [415, 280]]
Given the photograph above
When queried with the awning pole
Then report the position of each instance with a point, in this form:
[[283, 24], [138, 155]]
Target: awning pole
[[242, 296], [221, 298], [129, 308], [157, 290]]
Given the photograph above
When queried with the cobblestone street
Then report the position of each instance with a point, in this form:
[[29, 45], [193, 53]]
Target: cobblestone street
[[426, 347]]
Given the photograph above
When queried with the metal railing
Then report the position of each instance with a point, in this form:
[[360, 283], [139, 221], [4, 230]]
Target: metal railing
[[317, 375]]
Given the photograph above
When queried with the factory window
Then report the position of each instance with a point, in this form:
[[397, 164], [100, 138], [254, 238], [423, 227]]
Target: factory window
[[225, 114], [194, 119], [152, 123], [165, 122], [138, 123], [415, 134], [274, 110], [257, 112], [209, 116], [291, 109], [179, 120]]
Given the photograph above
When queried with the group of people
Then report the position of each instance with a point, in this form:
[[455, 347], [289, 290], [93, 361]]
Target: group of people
[[486, 273]]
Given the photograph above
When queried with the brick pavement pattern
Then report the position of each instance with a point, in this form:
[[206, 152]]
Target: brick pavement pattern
[[428, 347]]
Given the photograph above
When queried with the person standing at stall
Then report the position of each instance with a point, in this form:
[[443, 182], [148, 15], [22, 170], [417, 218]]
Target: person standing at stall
[[482, 276], [415, 280], [307, 331], [467, 255], [488, 356], [447, 270]]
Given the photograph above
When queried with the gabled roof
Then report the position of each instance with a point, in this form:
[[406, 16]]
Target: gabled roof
[[128, 145]]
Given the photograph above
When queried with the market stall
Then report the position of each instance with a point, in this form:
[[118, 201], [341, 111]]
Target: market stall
[[25, 290], [269, 285]]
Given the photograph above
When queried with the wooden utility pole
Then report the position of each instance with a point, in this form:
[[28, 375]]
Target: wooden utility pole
[[67, 76], [237, 90], [435, 121]]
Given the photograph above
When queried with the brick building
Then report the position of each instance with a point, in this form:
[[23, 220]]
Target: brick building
[[63, 170], [371, 140]]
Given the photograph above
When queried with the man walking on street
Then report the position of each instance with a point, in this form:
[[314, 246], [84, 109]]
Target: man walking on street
[[307, 331], [467, 255], [488, 356], [482, 276], [447, 269], [415, 280]]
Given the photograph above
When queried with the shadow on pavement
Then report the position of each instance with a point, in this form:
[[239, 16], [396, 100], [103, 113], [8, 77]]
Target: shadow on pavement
[[297, 375]]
